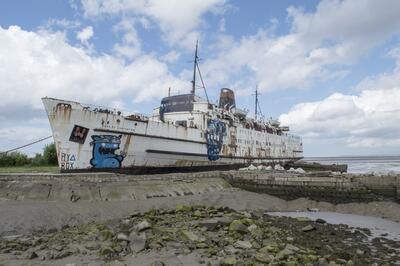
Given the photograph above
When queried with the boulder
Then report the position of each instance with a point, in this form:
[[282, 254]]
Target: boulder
[[238, 226], [213, 223], [300, 171], [303, 219], [308, 228], [230, 261], [251, 167], [263, 256], [188, 235], [278, 167], [144, 225], [122, 237], [242, 244], [137, 241]]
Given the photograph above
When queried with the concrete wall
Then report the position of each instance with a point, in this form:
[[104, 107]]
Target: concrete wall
[[321, 186], [104, 186]]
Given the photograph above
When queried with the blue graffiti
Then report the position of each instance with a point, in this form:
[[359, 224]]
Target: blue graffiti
[[104, 147], [215, 133]]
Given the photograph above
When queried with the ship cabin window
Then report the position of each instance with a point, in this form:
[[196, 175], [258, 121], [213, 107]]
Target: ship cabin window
[[177, 103], [182, 123]]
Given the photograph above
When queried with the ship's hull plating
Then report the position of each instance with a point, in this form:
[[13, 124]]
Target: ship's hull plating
[[90, 139]]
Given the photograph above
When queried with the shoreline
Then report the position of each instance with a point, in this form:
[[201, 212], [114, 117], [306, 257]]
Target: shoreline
[[200, 235], [26, 216]]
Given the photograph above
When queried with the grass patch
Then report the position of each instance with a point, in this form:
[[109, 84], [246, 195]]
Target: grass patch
[[30, 169]]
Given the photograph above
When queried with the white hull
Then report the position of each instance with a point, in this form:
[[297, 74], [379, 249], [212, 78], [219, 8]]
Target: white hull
[[88, 139]]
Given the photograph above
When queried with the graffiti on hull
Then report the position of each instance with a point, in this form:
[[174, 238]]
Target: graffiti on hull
[[103, 154], [215, 133], [67, 161]]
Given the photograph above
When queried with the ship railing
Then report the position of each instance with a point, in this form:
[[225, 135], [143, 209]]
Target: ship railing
[[112, 110]]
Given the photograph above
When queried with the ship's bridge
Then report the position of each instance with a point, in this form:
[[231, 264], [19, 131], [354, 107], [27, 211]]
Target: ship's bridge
[[182, 110]]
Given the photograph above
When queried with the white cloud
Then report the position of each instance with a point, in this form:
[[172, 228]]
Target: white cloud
[[46, 65], [221, 26], [368, 120], [130, 46], [177, 19], [85, 34], [171, 56], [337, 34]]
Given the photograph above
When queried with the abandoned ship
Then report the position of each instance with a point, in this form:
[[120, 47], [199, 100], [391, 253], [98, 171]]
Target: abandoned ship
[[185, 133]]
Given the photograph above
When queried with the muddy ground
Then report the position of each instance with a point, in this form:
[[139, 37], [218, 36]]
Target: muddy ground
[[104, 233], [201, 235]]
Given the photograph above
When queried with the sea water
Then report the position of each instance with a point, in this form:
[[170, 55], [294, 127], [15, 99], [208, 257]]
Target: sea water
[[363, 164]]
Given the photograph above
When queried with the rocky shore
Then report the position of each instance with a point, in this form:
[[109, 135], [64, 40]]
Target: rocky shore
[[108, 219], [200, 235]]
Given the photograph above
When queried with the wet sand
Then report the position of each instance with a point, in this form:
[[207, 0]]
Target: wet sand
[[23, 216]]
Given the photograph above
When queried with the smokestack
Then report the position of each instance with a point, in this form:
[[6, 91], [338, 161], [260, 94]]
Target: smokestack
[[227, 99]]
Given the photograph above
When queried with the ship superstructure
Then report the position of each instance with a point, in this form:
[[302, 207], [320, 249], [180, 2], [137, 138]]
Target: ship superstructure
[[185, 133]]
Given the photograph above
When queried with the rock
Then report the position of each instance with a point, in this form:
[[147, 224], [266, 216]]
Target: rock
[[157, 263], [359, 252], [62, 254], [135, 214], [32, 255], [268, 168], [137, 241], [183, 208], [303, 219], [243, 169], [188, 235], [230, 250], [292, 248], [122, 237], [261, 167], [269, 248], [242, 244], [263, 257], [197, 213], [252, 228], [230, 261], [300, 171], [106, 251], [291, 170], [278, 167], [92, 246], [287, 251], [308, 228], [251, 167], [144, 225], [213, 223], [320, 221], [237, 226]]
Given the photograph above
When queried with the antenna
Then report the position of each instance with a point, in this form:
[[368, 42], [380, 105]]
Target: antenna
[[169, 91], [256, 103], [257, 108], [194, 69]]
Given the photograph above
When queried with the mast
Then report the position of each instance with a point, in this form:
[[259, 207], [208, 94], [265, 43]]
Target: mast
[[194, 69], [256, 104]]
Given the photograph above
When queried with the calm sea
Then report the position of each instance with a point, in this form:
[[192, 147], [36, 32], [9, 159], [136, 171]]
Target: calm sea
[[363, 164]]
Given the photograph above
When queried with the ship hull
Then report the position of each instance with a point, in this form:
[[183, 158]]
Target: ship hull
[[95, 139]]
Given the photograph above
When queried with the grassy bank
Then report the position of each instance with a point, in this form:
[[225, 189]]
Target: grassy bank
[[30, 169]]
